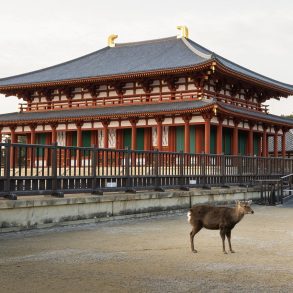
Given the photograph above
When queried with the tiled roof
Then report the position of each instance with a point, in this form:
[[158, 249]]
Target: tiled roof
[[105, 111], [131, 58], [256, 114]]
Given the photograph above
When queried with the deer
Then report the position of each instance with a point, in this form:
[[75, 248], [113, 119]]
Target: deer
[[217, 218]]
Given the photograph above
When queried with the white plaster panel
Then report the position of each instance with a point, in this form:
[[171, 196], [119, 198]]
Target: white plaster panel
[[18, 129], [156, 89], [178, 120], [112, 94], [254, 127], [156, 82], [71, 126], [61, 127], [246, 126], [6, 129], [125, 123], [167, 121], [191, 86], [225, 122], [195, 119], [102, 95], [231, 122], [77, 96], [129, 92], [139, 91], [63, 98], [43, 99], [165, 89], [181, 87], [98, 125], [214, 120], [152, 122], [27, 128], [114, 124], [56, 99], [260, 127], [141, 122], [87, 96], [87, 125], [39, 128], [48, 127], [129, 85]]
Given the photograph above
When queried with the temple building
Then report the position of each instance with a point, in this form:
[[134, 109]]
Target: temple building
[[169, 94]]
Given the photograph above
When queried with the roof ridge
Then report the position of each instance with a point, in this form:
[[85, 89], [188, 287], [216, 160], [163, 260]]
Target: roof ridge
[[195, 50], [145, 42]]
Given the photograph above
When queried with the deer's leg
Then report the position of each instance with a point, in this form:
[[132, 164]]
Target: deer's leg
[[195, 230], [223, 233], [228, 234]]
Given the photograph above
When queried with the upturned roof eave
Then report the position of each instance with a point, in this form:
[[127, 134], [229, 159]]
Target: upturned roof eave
[[85, 117], [267, 120], [114, 77], [230, 71]]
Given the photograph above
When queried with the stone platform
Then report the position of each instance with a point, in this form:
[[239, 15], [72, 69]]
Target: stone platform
[[30, 212]]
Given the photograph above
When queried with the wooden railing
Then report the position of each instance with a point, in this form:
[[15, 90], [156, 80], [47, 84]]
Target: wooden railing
[[51, 169]]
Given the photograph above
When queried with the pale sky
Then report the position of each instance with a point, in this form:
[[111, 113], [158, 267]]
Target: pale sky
[[257, 34]]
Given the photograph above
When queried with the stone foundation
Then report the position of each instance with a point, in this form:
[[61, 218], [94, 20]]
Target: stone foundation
[[44, 211]]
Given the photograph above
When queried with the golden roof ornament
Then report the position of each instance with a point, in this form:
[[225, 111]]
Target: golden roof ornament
[[111, 39], [183, 31]]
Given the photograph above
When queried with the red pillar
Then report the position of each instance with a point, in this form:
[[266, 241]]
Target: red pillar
[[78, 143], [198, 139], [284, 143], [54, 133], [207, 134], [264, 141], [250, 139], [1, 134], [106, 133], [133, 133], [159, 120], [187, 119], [13, 140], [235, 138], [276, 142], [219, 149]]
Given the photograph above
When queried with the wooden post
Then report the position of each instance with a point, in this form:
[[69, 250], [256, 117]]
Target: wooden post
[[133, 122], [106, 140], [235, 138], [13, 140], [264, 141], [276, 142], [250, 139], [187, 119], [207, 132], [78, 143], [159, 120], [219, 149], [284, 143], [54, 134]]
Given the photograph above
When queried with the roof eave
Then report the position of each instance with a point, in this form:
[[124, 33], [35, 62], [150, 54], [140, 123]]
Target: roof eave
[[232, 72], [105, 78]]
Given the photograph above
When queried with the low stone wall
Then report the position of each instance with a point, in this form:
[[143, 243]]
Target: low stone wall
[[40, 212]]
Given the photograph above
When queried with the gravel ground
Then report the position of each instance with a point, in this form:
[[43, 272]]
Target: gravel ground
[[151, 255]]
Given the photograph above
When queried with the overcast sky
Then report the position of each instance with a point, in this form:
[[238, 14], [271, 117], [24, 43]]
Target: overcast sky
[[257, 34]]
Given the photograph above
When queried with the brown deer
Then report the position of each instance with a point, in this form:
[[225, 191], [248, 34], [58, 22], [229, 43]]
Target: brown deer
[[217, 218]]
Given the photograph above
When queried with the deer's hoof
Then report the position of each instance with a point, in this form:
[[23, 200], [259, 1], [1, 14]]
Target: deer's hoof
[[194, 251], [225, 252], [232, 251]]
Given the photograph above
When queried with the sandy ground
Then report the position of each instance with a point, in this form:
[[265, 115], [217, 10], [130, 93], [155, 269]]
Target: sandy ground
[[151, 255]]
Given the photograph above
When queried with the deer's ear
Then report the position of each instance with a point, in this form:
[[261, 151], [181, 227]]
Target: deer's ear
[[237, 202], [249, 202]]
